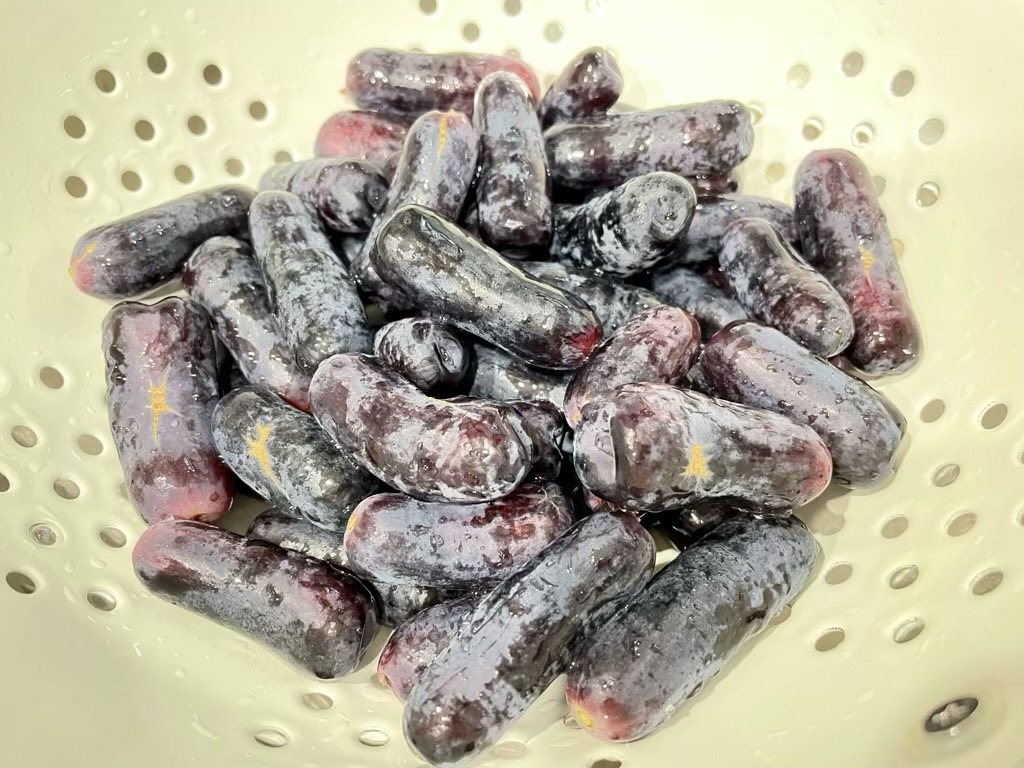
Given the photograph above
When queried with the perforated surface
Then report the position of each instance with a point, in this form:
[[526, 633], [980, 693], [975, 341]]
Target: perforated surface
[[917, 601]]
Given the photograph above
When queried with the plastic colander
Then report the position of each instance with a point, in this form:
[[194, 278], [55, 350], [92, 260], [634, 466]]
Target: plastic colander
[[113, 106]]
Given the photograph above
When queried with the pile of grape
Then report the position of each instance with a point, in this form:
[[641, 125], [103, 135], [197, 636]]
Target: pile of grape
[[588, 332]]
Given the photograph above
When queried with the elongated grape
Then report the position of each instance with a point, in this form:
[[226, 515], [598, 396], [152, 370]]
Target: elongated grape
[[761, 367], [161, 392], [652, 447], [434, 450], [677, 633], [314, 615], [844, 234]]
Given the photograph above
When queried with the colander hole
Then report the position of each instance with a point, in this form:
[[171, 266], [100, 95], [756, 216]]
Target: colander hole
[[774, 172], [606, 762], [781, 617], [320, 702], [863, 134], [553, 31], [66, 489], [471, 31], [122, 489], [839, 573], [283, 156], [570, 722], [903, 576], [113, 537], [852, 64], [105, 80], [994, 415], [829, 640], [894, 527], [144, 130], [986, 582], [184, 174], [90, 444], [271, 737], [902, 83], [196, 125], [756, 112], [812, 128], [907, 631], [75, 186], [927, 194], [798, 76], [212, 74], [74, 127], [43, 535], [878, 182], [513, 7], [24, 436], [131, 181], [157, 63], [20, 582], [932, 411], [945, 475], [946, 717], [51, 377], [5, 484], [961, 524], [101, 600], [898, 247], [931, 131], [234, 166], [374, 737], [428, 7], [258, 110]]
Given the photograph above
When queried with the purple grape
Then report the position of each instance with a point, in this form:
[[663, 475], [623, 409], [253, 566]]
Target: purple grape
[[312, 614], [693, 139], [343, 194], [430, 354], [514, 644], [447, 273], [638, 668], [778, 288], [399, 540], [161, 392], [652, 447], [407, 84], [435, 170], [761, 367], [223, 276], [512, 188], [309, 289], [284, 456], [628, 229], [396, 603], [658, 346], [844, 234], [680, 287], [416, 643], [715, 213], [589, 85], [430, 449], [143, 250]]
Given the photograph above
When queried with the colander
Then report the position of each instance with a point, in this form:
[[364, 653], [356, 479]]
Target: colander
[[915, 616]]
